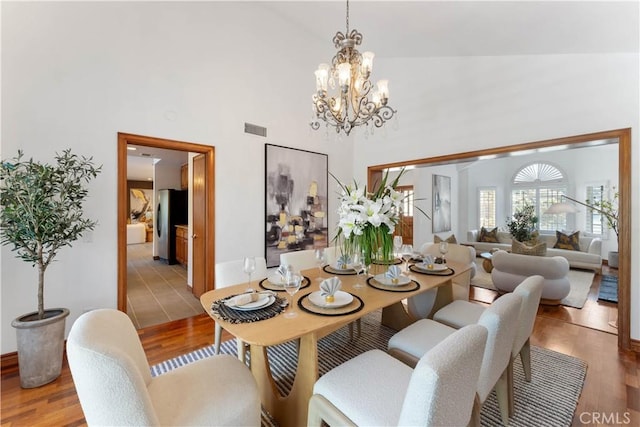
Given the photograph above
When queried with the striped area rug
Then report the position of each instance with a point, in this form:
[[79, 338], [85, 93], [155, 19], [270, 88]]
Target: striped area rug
[[549, 399]]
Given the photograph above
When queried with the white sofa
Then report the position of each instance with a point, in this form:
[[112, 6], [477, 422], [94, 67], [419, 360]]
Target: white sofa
[[588, 257]]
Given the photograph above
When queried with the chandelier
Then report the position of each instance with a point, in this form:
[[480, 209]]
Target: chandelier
[[354, 103]]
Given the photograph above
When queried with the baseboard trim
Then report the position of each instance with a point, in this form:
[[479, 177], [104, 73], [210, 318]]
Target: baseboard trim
[[9, 362], [635, 345]]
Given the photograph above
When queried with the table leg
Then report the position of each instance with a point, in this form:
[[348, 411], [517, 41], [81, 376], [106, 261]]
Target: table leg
[[396, 316], [290, 410]]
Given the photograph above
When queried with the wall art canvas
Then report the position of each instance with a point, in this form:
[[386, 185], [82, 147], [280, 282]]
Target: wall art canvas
[[296, 191], [140, 205], [441, 203]]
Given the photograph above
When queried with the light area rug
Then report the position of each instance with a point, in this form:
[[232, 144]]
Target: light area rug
[[549, 399], [579, 280]]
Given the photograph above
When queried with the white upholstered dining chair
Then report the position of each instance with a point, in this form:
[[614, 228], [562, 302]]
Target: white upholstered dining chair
[[376, 389], [115, 387], [459, 314], [417, 339], [420, 306], [231, 273]]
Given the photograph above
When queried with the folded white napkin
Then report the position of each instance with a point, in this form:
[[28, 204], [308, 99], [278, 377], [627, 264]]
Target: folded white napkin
[[282, 272], [343, 261], [329, 287], [243, 299], [428, 260], [393, 272]]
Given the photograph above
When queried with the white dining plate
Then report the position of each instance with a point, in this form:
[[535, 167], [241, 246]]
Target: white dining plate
[[265, 300], [436, 267], [276, 279], [383, 279], [341, 299]]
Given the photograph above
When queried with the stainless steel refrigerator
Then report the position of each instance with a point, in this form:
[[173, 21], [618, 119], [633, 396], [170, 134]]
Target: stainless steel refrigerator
[[171, 211]]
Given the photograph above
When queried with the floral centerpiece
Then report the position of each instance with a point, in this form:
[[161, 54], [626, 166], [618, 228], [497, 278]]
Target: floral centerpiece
[[367, 220]]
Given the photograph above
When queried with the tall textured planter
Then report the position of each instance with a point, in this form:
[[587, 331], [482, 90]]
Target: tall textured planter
[[612, 259], [40, 346]]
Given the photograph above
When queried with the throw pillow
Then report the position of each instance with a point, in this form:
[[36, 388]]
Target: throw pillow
[[488, 236], [451, 239], [520, 248], [569, 242]]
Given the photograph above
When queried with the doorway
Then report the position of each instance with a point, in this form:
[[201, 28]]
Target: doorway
[[206, 209], [623, 138]]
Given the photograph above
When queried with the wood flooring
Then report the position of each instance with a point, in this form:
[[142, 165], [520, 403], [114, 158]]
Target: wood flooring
[[611, 393]]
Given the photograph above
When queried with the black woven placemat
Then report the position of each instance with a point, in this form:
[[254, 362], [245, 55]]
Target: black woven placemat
[[332, 270], [266, 284], [409, 287], [219, 309], [448, 272], [353, 307]]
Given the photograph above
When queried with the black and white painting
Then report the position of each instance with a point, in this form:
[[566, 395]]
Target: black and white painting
[[295, 201], [441, 203]]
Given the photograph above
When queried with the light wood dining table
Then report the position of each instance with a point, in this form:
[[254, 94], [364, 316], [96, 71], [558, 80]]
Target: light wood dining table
[[291, 410]]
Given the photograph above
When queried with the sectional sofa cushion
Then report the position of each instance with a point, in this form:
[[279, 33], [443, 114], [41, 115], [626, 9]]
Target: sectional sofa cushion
[[518, 247], [488, 236], [570, 242], [451, 239]]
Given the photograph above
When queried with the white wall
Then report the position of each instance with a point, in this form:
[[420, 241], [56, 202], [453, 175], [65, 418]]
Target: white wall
[[460, 104], [74, 74]]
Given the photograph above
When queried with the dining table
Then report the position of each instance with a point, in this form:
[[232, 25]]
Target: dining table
[[311, 324]]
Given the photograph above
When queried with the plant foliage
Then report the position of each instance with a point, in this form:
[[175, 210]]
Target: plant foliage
[[523, 224], [42, 208]]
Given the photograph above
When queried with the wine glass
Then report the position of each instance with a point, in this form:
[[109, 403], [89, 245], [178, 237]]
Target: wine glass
[[357, 264], [366, 265], [321, 260], [397, 244], [249, 266], [444, 248], [292, 285], [407, 254]]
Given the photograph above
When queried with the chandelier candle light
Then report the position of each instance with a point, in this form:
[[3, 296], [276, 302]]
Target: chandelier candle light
[[354, 104]]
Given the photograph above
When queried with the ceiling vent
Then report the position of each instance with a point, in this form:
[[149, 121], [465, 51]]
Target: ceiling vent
[[255, 129]]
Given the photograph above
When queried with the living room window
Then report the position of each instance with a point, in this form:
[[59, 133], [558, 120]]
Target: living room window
[[541, 185], [595, 221], [487, 206]]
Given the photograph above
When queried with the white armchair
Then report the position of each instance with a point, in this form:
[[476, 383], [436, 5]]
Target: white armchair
[[419, 338], [375, 389], [115, 387]]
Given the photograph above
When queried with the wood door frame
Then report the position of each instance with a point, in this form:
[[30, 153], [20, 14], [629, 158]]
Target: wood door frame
[[123, 140], [374, 174]]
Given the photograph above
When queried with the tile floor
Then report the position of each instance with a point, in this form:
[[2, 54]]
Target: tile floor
[[156, 292]]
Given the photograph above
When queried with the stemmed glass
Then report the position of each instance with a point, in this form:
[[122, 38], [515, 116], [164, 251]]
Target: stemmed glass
[[357, 264], [397, 244], [321, 260], [292, 285], [444, 248], [407, 254], [249, 266]]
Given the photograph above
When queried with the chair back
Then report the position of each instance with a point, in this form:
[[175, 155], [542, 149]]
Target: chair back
[[230, 273], [110, 370], [530, 290], [458, 253], [499, 319], [442, 388], [299, 260]]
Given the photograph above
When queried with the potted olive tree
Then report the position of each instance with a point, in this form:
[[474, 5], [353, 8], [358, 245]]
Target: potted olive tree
[[523, 224], [41, 213]]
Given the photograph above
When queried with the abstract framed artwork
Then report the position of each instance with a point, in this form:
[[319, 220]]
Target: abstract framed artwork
[[140, 205], [441, 203], [296, 191]]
